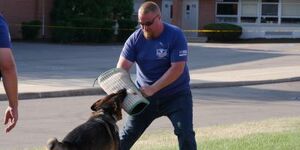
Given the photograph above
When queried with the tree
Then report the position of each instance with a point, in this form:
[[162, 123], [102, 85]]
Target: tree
[[93, 18], [100, 9]]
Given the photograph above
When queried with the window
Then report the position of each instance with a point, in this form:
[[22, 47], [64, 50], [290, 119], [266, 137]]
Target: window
[[227, 10], [268, 19], [290, 20], [290, 12], [258, 11], [269, 11], [249, 11]]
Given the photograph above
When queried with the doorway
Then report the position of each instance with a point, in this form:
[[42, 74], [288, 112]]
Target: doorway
[[190, 17], [167, 11]]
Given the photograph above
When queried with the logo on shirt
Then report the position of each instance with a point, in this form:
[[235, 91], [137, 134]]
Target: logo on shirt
[[161, 53], [183, 53]]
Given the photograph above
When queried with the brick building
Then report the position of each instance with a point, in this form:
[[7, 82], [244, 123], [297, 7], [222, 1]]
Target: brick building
[[18, 11], [259, 18]]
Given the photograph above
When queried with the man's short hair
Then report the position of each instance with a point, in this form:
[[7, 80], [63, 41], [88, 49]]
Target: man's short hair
[[149, 7]]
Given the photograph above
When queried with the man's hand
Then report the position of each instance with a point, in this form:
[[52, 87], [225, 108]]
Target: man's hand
[[10, 118], [148, 91]]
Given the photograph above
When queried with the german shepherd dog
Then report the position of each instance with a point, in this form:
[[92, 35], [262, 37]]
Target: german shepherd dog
[[100, 132]]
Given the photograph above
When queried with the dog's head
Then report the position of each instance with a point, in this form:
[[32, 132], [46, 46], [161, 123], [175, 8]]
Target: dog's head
[[111, 104]]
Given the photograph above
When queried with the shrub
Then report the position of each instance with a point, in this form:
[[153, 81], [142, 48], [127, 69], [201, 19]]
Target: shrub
[[83, 29], [30, 29], [62, 32], [126, 28], [93, 30], [222, 32], [87, 21]]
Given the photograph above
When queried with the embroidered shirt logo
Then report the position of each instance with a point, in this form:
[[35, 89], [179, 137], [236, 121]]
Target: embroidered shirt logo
[[183, 53], [162, 50], [161, 53]]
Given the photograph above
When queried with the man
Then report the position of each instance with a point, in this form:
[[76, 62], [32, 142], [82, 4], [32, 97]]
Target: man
[[160, 53], [9, 76]]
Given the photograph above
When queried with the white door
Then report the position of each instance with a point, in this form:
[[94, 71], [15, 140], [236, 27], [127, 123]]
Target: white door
[[167, 12], [190, 17]]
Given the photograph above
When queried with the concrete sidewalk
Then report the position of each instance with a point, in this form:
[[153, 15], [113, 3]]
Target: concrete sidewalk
[[233, 65]]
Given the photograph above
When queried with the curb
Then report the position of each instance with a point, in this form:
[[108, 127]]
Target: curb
[[99, 91], [241, 83], [66, 93]]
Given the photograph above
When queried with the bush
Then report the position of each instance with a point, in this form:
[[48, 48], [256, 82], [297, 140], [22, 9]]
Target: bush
[[31, 29], [222, 32], [126, 28], [93, 30], [83, 29], [62, 32], [88, 21]]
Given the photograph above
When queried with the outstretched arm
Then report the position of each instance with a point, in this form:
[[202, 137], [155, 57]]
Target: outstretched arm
[[10, 82]]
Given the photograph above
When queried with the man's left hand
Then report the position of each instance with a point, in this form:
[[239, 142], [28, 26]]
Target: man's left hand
[[148, 91]]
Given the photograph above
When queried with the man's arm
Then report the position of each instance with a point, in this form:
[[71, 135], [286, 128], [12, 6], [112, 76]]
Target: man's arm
[[10, 82], [172, 74], [124, 63]]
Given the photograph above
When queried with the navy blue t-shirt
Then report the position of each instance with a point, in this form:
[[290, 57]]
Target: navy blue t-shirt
[[4, 35], [5, 41], [154, 57]]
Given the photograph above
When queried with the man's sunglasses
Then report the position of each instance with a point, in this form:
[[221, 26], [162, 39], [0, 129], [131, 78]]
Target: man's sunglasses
[[148, 23]]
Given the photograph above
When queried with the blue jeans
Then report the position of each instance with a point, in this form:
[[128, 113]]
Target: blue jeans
[[178, 108]]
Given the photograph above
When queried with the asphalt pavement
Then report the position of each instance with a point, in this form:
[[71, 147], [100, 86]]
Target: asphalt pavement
[[55, 70], [41, 119]]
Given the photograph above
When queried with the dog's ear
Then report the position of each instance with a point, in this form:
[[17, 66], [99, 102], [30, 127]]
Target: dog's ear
[[120, 95], [93, 107], [99, 103], [122, 91]]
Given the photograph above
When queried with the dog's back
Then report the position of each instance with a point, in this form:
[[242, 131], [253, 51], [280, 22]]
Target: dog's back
[[91, 135], [100, 131]]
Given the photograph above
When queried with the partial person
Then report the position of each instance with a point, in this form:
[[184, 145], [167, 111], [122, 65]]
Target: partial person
[[8, 73], [160, 53]]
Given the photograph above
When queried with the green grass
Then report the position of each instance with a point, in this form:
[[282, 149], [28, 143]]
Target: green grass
[[273, 134], [288, 140]]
